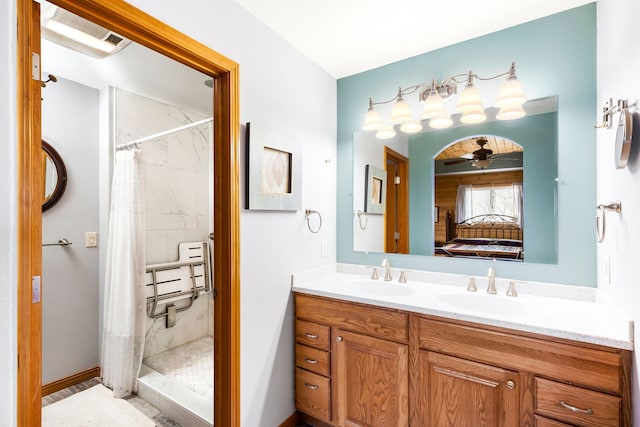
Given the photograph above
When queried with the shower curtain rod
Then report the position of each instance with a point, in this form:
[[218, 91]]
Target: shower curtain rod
[[161, 134]]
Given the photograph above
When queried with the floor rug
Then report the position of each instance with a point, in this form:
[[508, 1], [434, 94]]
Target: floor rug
[[95, 407]]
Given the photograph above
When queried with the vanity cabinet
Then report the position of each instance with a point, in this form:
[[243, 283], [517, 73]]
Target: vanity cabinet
[[364, 380], [374, 366]]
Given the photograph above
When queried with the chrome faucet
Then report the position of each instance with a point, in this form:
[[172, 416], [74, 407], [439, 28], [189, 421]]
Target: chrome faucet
[[387, 270], [491, 287]]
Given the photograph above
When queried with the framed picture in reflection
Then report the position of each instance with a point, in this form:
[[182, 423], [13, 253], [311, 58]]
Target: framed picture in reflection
[[375, 190]]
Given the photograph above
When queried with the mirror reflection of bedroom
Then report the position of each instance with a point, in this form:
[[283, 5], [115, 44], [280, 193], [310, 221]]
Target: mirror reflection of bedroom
[[478, 199]]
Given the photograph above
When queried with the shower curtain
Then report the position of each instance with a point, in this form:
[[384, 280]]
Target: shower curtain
[[124, 313]]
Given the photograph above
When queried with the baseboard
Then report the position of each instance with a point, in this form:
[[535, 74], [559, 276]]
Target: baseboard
[[292, 421], [71, 380]]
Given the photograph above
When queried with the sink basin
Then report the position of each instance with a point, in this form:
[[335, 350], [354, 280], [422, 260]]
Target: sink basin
[[371, 287], [485, 303]]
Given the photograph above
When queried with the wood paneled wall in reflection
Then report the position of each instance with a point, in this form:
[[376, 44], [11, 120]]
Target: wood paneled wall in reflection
[[446, 190]]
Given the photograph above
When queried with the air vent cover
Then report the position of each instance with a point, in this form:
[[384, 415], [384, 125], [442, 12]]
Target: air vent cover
[[59, 26]]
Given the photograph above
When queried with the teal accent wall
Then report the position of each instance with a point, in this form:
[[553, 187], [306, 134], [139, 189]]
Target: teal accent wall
[[555, 55], [537, 135]]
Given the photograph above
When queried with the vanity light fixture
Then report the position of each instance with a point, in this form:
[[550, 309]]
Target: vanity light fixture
[[509, 102]]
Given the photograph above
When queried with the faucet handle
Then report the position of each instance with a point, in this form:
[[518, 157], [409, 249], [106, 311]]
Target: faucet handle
[[472, 285], [403, 276], [374, 273], [511, 291]]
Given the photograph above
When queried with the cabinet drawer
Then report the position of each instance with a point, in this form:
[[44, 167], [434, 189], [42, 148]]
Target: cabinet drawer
[[312, 334], [313, 359], [546, 422], [373, 321], [313, 394], [576, 405]]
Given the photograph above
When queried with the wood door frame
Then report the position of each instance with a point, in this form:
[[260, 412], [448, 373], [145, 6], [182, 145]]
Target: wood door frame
[[142, 28], [403, 199]]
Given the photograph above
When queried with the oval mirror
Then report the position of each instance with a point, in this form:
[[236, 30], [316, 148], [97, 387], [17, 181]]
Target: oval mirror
[[54, 176]]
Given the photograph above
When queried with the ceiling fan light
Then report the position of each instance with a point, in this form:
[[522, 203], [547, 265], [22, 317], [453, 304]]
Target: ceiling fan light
[[412, 126], [481, 164], [433, 106], [441, 121], [401, 112], [373, 120], [476, 115], [385, 132], [510, 113], [510, 94], [469, 100]]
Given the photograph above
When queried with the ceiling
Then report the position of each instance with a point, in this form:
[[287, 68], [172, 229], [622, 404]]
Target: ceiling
[[464, 149], [348, 37]]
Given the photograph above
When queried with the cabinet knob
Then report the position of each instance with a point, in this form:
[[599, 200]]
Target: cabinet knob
[[511, 385], [339, 339]]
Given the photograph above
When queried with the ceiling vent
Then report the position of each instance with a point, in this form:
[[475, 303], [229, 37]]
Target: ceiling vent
[[71, 31]]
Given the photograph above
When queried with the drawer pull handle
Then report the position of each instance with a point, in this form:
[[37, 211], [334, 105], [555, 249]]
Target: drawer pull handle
[[312, 361], [311, 336], [572, 408], [311, 386]]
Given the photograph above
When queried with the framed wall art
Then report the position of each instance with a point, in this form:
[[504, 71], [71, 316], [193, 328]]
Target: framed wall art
[[375, 190], [274, 170]]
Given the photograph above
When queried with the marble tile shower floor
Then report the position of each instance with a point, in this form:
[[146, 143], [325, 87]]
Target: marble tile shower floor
[[190, 365]]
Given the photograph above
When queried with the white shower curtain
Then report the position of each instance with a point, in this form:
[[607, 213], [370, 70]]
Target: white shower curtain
[[124, 313]]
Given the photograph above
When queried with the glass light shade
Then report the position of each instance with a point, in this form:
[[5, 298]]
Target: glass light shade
[[510, 94], [481, 164], [373, 120], [433, 106], [469, 100], [385, 132], [510, 113], [476, 115], [441, 121], [401, 112], [412, 126]]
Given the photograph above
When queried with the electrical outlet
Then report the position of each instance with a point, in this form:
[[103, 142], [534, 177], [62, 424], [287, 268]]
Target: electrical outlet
[[91, 239]]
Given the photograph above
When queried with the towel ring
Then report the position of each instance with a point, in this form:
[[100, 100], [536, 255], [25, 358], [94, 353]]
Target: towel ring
[[307, 214], [600, 218], [361, 214]]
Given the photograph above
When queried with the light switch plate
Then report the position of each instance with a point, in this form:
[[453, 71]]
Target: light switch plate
[[91, 239]]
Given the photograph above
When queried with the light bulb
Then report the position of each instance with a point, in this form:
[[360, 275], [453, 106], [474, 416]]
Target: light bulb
[[412, 126], [481, 164], [385, 132]]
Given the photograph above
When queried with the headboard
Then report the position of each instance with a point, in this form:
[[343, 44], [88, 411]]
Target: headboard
[[487, 226]]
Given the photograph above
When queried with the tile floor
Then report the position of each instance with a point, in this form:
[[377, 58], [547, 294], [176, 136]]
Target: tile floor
[[143, 406]]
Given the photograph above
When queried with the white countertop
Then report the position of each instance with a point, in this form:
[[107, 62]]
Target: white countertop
[[572, 312]]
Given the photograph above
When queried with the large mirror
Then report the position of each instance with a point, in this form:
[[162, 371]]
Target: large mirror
[[423, 172], [55, 176]]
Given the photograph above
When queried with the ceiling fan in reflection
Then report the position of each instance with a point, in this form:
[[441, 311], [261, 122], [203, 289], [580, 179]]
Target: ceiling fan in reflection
[[481, 158]]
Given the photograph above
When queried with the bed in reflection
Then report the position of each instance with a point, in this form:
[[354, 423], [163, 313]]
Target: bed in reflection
[[483, 236]]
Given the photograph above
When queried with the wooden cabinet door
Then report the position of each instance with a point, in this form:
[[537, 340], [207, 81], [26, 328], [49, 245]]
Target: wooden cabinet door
[[459, 393], [372, 382]]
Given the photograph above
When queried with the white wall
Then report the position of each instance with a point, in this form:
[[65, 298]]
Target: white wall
[[8, 267], [618, 68], [70, 273], [283, 90]]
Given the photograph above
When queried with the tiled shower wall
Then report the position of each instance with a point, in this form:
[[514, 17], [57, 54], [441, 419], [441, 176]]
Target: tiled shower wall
[[177, 197]]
